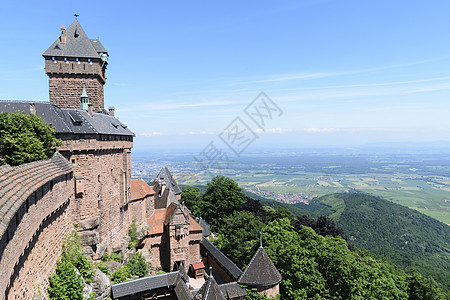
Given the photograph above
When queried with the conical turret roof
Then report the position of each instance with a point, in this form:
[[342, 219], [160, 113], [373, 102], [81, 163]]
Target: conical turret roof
[[260, 271]]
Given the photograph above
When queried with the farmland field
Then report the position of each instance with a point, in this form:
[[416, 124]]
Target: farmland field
[[420, 182]]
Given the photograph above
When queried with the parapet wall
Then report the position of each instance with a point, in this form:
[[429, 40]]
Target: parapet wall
[[35, 217]]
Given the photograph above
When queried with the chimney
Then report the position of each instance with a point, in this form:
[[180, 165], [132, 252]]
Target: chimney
[[62, 39], [90, 110], [32, 108], [111, 111]]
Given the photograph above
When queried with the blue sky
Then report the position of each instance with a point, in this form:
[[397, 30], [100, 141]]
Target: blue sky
[[343, 72]]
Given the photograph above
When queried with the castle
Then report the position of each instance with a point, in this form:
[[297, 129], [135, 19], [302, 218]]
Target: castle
[[88, 181]]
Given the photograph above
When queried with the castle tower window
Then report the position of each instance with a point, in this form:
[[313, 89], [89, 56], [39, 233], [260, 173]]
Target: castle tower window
[[78, 61], [54, 60], [90, 61], [66, 60]]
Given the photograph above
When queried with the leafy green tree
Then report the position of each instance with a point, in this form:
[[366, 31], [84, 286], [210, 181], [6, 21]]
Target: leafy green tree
[[221, 198], [25, 138], [239, 236], [137, 265], [73, 252], [318, 267], [252, 295], [192, 198], [276, 214], [421, 287], [133, 234], [65, 284], [121, 274]]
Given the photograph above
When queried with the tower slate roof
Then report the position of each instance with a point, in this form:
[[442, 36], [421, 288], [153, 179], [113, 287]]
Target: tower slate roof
[[260, 271], [77, 44], [166, 176]]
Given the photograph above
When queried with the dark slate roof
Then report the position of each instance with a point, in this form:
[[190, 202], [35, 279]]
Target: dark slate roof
[[98, 46], [222, 259], [205, 226], [70, 120], [209, 291], [17, 183], [144, 284], [182, 291], [166, 176], [232, 290], [260, 271], [77, 44]]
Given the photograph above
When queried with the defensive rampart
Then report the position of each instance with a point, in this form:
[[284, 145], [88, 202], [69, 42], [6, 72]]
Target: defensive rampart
[[35, 217]]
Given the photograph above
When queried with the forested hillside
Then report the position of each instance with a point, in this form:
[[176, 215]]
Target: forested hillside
[[407, 237], [313, 255]]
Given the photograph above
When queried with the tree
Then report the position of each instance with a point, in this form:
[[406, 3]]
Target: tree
[[238, 236], [255, 207], [276, 214], [421, 287], [192, 197], [221, 198], [318, 267], [65, 284], [25, 138], [137, 265], [73, 252]]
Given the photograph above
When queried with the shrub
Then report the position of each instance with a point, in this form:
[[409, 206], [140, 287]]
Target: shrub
[[121, 275], [25, 138], [137, 265]]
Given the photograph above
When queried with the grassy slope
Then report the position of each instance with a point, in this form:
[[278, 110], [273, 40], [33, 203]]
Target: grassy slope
[[407, 237]]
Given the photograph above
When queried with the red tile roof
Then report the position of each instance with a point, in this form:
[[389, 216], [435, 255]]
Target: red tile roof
[[198, 266], [193, 225], [156, 221], [140, 189]]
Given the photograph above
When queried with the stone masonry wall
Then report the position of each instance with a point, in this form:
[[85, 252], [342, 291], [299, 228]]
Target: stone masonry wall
[[105, 167], [35, 242], [66, 79], [65, 90]]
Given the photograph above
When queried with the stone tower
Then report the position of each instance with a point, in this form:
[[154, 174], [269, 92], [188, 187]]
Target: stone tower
[[72, 61]]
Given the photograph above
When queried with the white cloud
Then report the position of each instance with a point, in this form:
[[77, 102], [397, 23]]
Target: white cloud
[[150, 134]]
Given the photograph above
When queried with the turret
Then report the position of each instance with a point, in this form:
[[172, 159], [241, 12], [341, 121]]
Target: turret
[[72, 61]]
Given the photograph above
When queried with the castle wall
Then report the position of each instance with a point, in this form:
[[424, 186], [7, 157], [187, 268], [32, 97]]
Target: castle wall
[[155, 246], [149, 206], [33, 238], [66, 79], [104, 164], [137, 210], [269, 291]]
